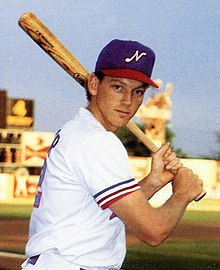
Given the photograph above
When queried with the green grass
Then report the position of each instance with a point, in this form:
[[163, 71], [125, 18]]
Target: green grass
[[15, 211], [201, 216], [174, 255], [24, 211]]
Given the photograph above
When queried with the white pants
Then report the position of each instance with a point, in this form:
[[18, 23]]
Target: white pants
[[51, 261]]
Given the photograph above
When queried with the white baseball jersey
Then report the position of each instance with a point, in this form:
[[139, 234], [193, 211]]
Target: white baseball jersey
[[87, 169]]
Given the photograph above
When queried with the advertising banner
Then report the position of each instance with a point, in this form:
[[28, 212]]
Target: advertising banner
[[35, 146], [20, 113]]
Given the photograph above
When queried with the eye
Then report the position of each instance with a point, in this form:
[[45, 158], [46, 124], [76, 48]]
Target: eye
[[117, 87], [139, 92]]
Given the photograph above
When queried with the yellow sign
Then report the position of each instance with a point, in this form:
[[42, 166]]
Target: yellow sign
[[19, 113], [19, 121]]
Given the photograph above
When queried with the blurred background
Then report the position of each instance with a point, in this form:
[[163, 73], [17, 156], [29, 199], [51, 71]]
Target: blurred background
[[184, 35], [37, 97]]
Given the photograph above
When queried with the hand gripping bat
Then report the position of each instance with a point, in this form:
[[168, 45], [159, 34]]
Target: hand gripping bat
[[55, 49]]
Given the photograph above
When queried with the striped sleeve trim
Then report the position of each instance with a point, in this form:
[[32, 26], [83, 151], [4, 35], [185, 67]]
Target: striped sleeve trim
[[113, 193]]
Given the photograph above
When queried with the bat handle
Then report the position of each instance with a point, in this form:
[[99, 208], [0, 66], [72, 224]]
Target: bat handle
[[141, 136], [167, 175]]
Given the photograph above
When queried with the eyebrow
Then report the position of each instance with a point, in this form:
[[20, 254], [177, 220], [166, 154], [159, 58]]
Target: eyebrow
[[142, 84]]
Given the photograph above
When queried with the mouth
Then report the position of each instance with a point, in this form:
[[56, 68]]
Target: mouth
[[123, 113]]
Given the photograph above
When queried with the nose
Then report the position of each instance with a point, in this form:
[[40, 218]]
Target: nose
[[126, 98]]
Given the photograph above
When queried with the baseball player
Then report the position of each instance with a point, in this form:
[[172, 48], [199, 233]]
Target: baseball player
[[87, 192]]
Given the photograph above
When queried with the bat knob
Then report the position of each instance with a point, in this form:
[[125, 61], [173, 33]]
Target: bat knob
[[198, 198]]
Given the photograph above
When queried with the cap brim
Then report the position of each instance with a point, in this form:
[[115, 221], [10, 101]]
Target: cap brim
[[129, 74]]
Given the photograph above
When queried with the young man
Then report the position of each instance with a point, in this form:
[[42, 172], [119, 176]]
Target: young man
[[87, 192]]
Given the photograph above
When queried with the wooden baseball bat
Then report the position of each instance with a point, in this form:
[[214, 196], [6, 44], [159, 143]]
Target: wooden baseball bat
[[55, 49]]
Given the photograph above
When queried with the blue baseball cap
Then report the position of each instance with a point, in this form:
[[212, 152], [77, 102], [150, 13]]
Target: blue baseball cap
[[127, 59]]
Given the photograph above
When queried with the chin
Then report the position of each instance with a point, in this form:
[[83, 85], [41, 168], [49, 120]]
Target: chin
[[122, 124]]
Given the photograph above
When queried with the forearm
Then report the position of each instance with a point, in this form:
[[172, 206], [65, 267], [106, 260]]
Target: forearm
[[170, 213], [186, 186], [154, 225], [151, 225], [150, 185], [165, 218]]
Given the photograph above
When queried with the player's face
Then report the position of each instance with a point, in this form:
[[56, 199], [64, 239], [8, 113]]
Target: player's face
[[115, 100]]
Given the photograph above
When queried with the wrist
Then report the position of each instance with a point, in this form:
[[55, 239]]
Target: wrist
[[150, 185], [155, 180], [182, 197]]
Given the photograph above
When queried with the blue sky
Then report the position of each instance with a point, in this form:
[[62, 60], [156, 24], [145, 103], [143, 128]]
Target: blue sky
[[184, 34]]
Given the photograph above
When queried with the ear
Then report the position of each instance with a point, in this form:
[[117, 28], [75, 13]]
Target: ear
[[92, 84]]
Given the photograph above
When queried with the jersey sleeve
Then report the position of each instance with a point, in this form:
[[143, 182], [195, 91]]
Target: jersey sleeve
[[105, 169]]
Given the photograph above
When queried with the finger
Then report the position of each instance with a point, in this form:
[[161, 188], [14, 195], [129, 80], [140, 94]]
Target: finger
[[173, 163], [168, 152], [163, 149], [170, 158], [174, 166]]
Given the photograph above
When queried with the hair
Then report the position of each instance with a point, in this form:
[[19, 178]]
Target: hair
[[100, 76]]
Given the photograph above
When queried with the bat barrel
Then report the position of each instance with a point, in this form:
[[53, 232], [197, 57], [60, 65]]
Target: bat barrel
[[53, 47]]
